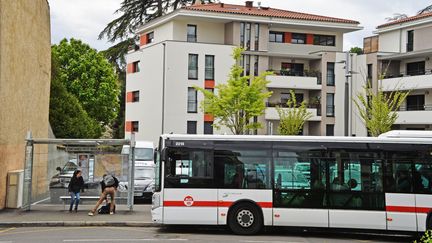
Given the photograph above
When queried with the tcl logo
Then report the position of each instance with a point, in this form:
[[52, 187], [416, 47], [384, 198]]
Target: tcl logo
[[188, 201]]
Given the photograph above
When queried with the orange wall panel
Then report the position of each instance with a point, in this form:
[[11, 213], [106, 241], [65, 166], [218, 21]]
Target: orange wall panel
[[129, 97], [209, 84], [309, 39], [143, 39], [128, 126], [287, 37], [208, 118]]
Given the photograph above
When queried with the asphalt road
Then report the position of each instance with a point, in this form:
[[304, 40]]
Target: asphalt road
[[178, 234]]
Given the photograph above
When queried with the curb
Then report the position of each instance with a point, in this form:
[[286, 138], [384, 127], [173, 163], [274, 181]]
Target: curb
[[77, 224]]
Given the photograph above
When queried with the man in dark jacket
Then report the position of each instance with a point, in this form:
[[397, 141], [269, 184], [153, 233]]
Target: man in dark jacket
[[109, 185]]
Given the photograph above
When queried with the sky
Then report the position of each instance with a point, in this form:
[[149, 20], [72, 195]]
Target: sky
[[85, 19]]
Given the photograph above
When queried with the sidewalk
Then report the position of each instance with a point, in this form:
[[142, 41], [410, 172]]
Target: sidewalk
[[42, 215]]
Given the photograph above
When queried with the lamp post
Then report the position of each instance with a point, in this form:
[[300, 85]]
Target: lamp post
[[348, 74]]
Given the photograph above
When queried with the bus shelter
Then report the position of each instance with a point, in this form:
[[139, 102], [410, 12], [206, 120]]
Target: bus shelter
[[49, 164]]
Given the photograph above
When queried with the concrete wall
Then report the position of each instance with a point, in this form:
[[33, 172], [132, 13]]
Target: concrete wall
[[25, 68], [420, 36], [207, 32], [390, 41]]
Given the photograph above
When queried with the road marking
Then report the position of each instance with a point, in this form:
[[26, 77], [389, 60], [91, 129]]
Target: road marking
[[43, 200], [6, 230], [268, 241], [120, 240]]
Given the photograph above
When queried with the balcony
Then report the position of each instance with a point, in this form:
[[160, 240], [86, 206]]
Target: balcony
[[423, 115], [413, 81], [295, 80], [272, 114]]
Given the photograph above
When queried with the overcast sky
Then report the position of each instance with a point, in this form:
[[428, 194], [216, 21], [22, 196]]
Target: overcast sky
[[84, 19]]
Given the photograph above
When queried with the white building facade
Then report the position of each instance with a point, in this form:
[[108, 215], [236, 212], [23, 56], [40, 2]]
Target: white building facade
[[398, 58], [192, 46]]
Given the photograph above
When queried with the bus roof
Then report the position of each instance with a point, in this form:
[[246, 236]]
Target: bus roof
[[276, 138]]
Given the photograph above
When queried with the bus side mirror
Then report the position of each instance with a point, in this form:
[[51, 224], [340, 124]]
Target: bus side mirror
[[163, 154]]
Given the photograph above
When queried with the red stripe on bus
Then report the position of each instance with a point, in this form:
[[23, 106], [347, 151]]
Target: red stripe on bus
[[210, 204], [195, 204], [407, 209]]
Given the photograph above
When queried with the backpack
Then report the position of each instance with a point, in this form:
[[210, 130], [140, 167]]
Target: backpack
[[109, 180], [105, 209]]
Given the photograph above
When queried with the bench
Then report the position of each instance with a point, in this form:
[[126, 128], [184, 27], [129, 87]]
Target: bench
[[65, 199]]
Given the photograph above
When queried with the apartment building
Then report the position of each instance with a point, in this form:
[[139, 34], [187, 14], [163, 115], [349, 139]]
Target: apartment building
[[398, 58], [192, 46]]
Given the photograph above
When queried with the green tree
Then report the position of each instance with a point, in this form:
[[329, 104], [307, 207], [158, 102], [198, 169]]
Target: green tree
[[293, 117], [377, 110], [67, 118], [235, 103], [357, 50], [87, 75]]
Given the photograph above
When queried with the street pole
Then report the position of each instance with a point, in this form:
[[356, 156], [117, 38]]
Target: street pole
[[346, 104], [131, 172]]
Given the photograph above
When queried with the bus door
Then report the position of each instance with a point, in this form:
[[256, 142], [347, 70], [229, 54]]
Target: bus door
[[299, 190], [244, 175], [190, 194], [422, 182], [400, 199], [356, 197]]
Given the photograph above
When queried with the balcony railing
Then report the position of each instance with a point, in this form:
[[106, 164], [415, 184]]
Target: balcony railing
[[305, 73], [284, 105], [419, 107], [408, 73]]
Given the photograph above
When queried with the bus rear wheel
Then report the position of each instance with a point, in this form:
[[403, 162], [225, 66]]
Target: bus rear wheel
[[245, 219]]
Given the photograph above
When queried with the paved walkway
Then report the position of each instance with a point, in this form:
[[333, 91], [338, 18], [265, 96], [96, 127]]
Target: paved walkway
[[56, 215]]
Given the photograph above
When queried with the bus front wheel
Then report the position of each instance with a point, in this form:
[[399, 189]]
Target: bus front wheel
[[245, 219]]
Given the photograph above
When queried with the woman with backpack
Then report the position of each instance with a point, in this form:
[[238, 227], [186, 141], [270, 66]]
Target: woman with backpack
[[76, 184], [109, 186]]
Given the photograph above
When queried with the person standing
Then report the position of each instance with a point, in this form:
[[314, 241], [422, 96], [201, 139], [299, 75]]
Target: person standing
[[109, 186], [76, 184]]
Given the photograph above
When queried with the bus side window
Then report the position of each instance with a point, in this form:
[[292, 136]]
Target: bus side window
[[403, 177], [422, 177]]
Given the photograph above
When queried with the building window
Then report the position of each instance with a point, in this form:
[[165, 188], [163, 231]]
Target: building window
[[209, 67], [415, 68], [242, 34], [191, 127], [135, 96], [330, 74], [256, 66], [247, 36], [135, 126], [193, 66], [210, 90], [410, 40], [150, 37], [298, 38], [330, 130], [330, 111], [208, 127], [369, 73], [135, 67], [277, 37], [191, 33], [257, 32], [246, 62], [192, 100], [415, 103], [324, 40]]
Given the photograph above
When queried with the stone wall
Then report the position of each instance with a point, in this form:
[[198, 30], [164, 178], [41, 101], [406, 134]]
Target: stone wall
[[25, 68]]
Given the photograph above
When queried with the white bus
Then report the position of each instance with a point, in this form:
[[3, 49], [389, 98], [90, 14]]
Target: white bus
[[248, 182]]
